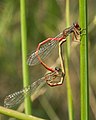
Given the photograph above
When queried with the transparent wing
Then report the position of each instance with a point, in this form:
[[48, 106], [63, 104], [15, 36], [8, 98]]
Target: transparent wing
[[17, 97], [43, 52]]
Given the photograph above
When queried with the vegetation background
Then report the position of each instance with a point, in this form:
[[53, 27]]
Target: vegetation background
[[45, 18]]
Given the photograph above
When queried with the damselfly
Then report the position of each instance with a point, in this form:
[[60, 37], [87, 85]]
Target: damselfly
[[44, 48], [52, 78]]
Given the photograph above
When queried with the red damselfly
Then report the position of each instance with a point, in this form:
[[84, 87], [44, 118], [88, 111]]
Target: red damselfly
[[44, 48]]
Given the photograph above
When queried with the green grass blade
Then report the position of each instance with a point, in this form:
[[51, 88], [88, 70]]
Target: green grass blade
[[67, 57], [84, 62], [24, 54], [67, 25], [18, 115], [69, 93]]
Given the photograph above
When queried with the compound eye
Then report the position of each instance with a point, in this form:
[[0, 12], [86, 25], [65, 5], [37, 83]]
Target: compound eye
[[57, 69], [76, 25]]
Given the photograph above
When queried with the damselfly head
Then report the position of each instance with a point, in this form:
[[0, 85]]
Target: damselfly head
[[57, 69], [76, 25]]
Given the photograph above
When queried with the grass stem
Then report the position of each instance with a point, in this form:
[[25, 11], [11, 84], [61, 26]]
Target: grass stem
[[18, 115], [67, 56], [84, 62], [24, 54]]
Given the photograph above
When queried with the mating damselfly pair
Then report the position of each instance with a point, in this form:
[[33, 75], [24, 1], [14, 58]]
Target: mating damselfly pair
[[54, 77]]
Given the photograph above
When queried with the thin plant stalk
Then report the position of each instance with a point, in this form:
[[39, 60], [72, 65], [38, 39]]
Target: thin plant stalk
[[67, 57], [50, 111], [84, 61], [67, 25], [18, 115], [24, 54]]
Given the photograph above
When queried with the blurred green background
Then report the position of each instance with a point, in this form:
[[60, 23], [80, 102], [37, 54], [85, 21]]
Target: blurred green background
[[45, 18]]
